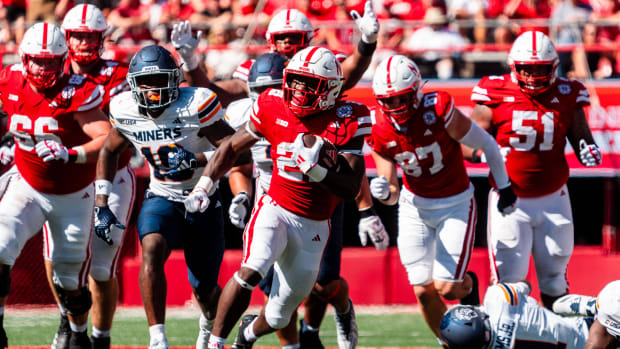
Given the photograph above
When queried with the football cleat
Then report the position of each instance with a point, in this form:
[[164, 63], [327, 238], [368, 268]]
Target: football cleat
[[4, 341], [308, 339], [100, 342], [240, 341], [159, 343], [573, 304], [79, 340], [473, 298], [346, 328], [204, 332], [63, 335]]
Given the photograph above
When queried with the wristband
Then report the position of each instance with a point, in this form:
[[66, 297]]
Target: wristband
[[317, 173], [189, 64], [80, 154], [366, 49], [207, 184], [103, 187], [367, 212]]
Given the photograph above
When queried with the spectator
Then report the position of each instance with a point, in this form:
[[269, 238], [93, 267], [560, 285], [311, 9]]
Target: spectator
[[209, 12], [12, 20], [472, 11], [591, 64], [506, 10], [221, 63], [435, 39], [566, 18], [131, 20], [40, 10]]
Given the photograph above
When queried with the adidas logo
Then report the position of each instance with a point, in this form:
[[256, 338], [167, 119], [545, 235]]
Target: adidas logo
[[177, 121], [121, 181], [428, 133], [562, 193], [555, 100], [86, 196], [316, 238]]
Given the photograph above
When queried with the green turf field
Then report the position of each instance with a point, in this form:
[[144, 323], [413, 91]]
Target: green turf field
[[393, 327]]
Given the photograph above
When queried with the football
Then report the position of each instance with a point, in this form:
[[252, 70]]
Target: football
[[328, 155]]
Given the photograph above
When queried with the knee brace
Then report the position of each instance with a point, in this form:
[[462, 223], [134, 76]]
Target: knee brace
[[75, 305], [5, 280]]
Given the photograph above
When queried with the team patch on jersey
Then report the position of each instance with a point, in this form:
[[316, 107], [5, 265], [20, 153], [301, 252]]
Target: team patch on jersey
[[429, 118], [564, 89], [76, 79], [67, 92], [344, 111]]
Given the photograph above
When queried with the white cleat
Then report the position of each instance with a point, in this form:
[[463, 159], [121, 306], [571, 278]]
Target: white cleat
[[575, 305], [159, 343], [204, 332], [346, 328]]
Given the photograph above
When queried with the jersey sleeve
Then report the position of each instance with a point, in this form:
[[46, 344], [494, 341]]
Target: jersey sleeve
[[243, 70], [209, 107], [118, 82], [583, 96], [257, 115], [444, 106], [359, 127], [485, 92], [94, 94]]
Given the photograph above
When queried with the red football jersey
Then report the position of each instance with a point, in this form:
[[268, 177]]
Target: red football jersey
[[112, 76], [431, 160], [289, 187], [534, 128], [34, 117]]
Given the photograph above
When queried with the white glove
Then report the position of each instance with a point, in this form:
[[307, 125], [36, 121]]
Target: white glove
[[502, 150], [306, 158], [589, 154], [239, 207], [373, 227], [7, 154], [380, 188], [197, 200], [368, 24], [185, 44], [51, 150]]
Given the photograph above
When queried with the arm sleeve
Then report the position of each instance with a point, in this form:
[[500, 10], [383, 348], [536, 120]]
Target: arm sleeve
[[477, 138]]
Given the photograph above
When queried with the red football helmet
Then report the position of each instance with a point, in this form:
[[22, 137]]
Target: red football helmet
[[43, 51], [397, 86], [533, 61], [87, 22], [292, 24]]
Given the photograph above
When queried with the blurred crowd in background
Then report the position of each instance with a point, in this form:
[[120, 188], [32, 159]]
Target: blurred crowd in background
[[447, 38]]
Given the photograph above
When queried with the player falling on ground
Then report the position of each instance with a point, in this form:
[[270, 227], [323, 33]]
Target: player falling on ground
[[174, 129], [531, 112], [421, 133], [59, 128], [289, 227]]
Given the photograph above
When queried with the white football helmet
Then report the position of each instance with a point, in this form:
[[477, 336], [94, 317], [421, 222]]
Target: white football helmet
[[534, 53], [289, 22], [43, 41], [321, 75], [85, 18], [398, 76]]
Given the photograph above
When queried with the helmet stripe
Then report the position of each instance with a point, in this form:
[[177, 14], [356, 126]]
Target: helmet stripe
[[310, 54], [84, 10], [288, 17], [389, 64], [44, 46], [534, 43]]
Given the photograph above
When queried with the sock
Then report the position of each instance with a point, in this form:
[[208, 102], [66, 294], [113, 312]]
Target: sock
[[216, 342], [97, 333], [78, 328], [248, 333], [157, 331], [63, 311], [306, 327], [292, 346]]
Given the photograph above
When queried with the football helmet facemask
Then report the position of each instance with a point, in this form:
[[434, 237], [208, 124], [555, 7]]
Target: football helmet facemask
[[397, 86], [293, 28], [43, 52], [87, 25], [533, 61], [466, 327], [312, 81], [266, 72], [154, 77]]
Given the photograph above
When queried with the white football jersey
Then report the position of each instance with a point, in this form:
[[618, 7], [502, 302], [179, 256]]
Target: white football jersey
[[237, 114], [177, 126], [608, 308], [519, 322]]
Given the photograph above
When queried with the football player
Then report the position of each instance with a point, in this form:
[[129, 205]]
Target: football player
[[511, 319], [531, 112], [173, 129], [58, 127], [421, 133], [289, 226], [267, 72], [84, 27], [288, 32]]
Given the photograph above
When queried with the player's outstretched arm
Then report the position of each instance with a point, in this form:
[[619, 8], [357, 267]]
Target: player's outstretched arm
[[240, 181], [599, 338], [580, 138], [483, 117], [355, 65], [385, 187], [94, 124]]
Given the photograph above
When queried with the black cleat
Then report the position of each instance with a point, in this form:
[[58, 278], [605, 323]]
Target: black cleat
[[79, 340], [308, 339], [63, 335], [473, 298], [100, 342], [240, 341], [4, 341]]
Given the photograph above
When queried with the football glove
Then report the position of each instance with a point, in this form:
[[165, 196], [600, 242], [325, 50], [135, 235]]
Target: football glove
[[197, 200], [368, 24], [7, 153], [51, 150], [185, 44], [589, 154], [104, 219], [373, 227], [238, 210], [307, 158], [180, 159], [380, 188], [507, 201]]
